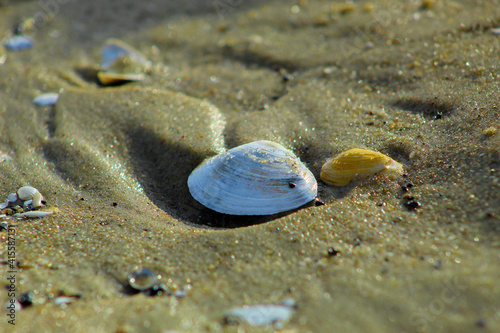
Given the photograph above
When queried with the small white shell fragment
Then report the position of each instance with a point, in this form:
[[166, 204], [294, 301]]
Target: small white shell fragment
[[46, 99], [257, 178], [60, 300], [33, 214], [30, 193], [12, 197], [4, 204], [114, 78], [262, 314], [18, 43]]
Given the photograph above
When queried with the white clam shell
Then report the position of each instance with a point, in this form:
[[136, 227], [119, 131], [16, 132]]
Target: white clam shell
[[258, 178], [30, 193]]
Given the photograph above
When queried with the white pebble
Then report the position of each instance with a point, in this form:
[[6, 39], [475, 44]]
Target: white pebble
[[46, 99], [263, 314], [18, 43]]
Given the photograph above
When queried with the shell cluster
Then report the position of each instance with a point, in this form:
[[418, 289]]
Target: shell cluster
[[257, 178], [340, 170], [27, 202]]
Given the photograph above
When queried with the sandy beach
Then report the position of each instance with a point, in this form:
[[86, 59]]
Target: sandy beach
[[415, 80]]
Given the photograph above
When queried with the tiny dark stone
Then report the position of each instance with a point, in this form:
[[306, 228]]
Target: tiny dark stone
[[405, 175], [410, 198], [404, 188], [438, 116], [413, 204], [481, 323], [382, 204], [287, 77], [409, 185], [115, 204], [332, 252], [82, 199], [292, 185], [26, 299]]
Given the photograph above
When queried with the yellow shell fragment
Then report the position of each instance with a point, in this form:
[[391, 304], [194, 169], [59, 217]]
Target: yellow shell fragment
[[340, 170]]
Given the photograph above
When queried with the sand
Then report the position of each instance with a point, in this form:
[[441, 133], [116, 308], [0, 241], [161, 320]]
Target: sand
[[416, 80]]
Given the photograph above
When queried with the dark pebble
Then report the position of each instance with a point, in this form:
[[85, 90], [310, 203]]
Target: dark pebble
[[292, 185], [411, 205], [115, 204], [332, 252], [26, 299], [481, 323]]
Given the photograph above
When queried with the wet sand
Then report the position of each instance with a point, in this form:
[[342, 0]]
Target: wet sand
[[416, 80]]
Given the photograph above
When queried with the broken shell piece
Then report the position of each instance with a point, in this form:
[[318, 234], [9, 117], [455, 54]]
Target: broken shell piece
[[46, 99], [30, 193], [60, 300], [262, 314], [108, 79], [12, 197], [4, 204], [18, 43], [340, 170], [257, 178], [121, 63], [117, 56], [33, 214]]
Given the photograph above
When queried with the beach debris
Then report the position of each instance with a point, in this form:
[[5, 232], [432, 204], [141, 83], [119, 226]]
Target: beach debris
[[340, 170], [121, 63], [262, 314], [27, 202], [46, 99], [253, 179], [18, 43]]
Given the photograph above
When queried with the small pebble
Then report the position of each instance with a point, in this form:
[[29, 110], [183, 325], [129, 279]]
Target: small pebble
[[46, 99], [411, 205], [26, 299], [332, 252], [262, 314], [18, 43]]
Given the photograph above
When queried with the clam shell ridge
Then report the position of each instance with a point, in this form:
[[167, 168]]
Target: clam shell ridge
[[258, 178]]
